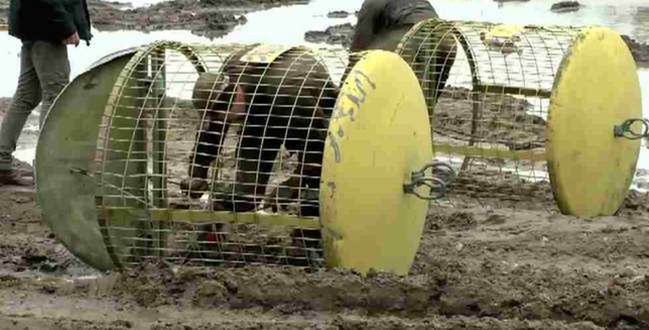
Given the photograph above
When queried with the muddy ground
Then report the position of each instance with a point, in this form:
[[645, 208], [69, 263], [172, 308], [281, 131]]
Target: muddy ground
[[478, 267], [503, 258], [500, 257]]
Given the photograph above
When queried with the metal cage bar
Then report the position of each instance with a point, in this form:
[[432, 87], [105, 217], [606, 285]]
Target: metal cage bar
[[212, 154], [488, 88]]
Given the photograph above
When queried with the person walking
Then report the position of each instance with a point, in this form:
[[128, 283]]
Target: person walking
[[45, 28]]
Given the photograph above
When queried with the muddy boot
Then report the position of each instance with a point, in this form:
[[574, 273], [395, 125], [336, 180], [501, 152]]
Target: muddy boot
[[14, 178]]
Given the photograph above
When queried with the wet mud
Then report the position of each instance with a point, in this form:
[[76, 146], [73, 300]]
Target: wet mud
[[502, 119], [477, 267]]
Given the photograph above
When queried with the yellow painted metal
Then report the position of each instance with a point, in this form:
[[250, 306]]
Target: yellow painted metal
[[534, 155], [379, 133], [597, 88], [264, 53], [198, 217]]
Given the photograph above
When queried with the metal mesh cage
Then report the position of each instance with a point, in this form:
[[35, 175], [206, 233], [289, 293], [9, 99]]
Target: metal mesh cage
[[212, 154], [488, 89], [228, 155]]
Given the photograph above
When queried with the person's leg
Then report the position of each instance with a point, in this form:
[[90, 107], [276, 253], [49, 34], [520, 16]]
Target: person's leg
[[26, 98], [258, 150], [209, 141], [53, 69]]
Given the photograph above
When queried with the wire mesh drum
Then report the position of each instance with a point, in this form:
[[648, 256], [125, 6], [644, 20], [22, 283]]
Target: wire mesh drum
[[515, 107], [236, 155]]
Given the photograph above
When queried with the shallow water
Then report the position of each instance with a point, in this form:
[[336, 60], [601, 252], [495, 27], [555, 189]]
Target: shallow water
[[139, 3], [286, 25]]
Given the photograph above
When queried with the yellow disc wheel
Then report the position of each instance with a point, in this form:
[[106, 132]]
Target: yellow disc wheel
[[597, 88], [379, 133]]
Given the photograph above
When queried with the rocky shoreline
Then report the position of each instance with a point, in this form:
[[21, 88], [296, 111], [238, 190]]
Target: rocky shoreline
[[208, 18], [216, 18]]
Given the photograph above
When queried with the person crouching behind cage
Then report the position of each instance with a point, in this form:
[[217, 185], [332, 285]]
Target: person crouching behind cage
[[382, 24], [287, 102]]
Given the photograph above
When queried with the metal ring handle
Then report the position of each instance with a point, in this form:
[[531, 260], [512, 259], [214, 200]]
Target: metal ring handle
[[437, 189], [442, 176], [625, 130]]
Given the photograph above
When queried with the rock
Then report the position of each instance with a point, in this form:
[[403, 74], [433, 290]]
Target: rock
[[23, 167], [565, 6], [338, 14], [315, 36], [643, 185], [333, 35]]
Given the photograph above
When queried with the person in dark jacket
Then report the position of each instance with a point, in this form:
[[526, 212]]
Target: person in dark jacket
[[382, 24], [45, 28]]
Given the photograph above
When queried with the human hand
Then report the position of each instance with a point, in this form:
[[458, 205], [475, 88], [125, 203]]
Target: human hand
[[72, 40]]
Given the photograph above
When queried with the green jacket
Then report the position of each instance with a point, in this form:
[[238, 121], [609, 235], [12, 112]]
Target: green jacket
[[382, 23], [49, 20]]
